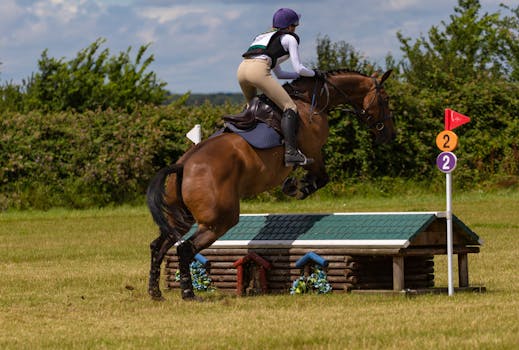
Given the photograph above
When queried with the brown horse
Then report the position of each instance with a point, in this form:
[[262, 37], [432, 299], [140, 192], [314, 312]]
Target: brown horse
[[207, 182]]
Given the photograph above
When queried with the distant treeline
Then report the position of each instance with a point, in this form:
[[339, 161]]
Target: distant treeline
[[216, 99]]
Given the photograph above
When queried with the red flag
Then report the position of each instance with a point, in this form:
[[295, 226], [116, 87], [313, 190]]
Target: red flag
[[454, 119]]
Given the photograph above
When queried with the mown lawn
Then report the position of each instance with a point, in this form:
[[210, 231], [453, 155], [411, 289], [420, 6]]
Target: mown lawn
[[77, 280]]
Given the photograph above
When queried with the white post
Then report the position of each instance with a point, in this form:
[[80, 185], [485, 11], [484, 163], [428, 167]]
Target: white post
[[449, 231]]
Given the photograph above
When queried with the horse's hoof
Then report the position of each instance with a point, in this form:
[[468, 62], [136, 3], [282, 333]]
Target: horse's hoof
[[189, 295], [194, 299], [158, 298], [156, 295], [289, 187]]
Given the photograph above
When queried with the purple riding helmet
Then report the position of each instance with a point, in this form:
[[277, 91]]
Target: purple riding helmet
[[285, 17]]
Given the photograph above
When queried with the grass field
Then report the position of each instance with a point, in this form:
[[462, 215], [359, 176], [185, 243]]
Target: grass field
[[77, 280]]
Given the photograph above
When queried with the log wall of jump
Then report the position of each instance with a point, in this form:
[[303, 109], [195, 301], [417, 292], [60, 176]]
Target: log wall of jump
[[345, 272]]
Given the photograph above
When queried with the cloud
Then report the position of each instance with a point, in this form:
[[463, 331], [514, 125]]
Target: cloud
[[169, 14], [197, 45]]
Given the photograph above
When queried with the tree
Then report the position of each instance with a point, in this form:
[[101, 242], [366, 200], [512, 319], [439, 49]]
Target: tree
[[469, 47], [340, 55], [510, 33], [93, 80]]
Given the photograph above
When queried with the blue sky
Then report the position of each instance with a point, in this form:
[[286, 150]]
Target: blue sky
[[197, 45]]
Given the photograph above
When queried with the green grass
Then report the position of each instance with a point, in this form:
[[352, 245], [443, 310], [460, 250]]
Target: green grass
[[77, 280]]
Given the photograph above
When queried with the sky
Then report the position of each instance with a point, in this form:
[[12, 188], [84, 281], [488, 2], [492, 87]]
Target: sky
[[197, 44]]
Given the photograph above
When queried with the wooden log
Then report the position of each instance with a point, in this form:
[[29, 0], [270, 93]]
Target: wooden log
[[412, 270], [398, 272], [217, 272], [389, 278], [339, 272], [223, 278], [225, 251], [439, 251], [353, 265], [222, 265], [463, 270], [280, 285], [280, 277]]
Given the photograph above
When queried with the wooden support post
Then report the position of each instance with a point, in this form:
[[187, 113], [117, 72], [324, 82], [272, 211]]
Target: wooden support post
[[398, 273], [463, 270]]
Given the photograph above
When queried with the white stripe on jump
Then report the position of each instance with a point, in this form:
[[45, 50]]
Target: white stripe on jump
[[439, 214], [345, 243]]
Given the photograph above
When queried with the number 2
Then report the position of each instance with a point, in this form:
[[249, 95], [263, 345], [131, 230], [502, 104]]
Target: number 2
[[447, 139], [446, 162]]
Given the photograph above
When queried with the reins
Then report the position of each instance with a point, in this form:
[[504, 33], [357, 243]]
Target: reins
[[358, 112]]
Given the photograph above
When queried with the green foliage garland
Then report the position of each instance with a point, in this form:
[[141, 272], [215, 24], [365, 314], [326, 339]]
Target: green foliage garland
[[201, 281], [316, 282]]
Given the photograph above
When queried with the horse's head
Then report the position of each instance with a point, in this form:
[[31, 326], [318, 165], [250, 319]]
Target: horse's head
[[365, 94], [375, 111]]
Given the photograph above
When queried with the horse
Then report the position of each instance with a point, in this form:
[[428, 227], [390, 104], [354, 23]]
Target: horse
[[206, 184]]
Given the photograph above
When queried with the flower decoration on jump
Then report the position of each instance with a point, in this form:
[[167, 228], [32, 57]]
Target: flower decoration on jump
[[199, 276], [316, 282], [313, 278]]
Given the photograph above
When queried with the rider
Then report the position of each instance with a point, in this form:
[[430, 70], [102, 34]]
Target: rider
[[266, 53]]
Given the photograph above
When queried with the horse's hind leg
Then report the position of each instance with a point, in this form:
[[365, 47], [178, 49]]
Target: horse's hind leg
[[186, 252], [159, 247]]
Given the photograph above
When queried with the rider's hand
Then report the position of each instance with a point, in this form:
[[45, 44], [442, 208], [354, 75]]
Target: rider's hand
[[319, 74]]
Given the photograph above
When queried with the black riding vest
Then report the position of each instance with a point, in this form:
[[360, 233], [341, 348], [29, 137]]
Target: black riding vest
[[274, 49]]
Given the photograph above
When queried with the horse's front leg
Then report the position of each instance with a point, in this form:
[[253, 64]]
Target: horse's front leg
[[314, 179], [311, 183]]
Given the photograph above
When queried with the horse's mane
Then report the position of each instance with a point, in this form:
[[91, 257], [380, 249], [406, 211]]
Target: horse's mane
[[289, 86], [329, 73], [333, 72]]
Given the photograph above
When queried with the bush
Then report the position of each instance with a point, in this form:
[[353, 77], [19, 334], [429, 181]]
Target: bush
[[94, 158]]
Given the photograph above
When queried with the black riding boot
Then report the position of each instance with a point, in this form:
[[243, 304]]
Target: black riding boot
[[289, 124]]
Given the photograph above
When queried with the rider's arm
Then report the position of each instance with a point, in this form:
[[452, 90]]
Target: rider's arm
[[282, 74], [290, 44]]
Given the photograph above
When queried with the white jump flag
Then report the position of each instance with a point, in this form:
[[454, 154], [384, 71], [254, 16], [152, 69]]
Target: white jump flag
[[195, 134]]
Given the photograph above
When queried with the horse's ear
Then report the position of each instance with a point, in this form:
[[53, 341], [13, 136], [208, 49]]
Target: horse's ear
[[385, 76], [374, 75]]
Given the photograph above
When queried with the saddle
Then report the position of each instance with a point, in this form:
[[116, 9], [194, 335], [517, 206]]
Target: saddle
[[260, 109]]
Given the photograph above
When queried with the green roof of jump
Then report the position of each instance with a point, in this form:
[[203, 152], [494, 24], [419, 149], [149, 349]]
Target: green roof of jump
[[394, 230]]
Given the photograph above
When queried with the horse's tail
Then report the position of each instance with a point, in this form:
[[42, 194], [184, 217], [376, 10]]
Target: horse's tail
[[160, 210]]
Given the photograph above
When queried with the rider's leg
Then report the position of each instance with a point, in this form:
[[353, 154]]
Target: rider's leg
[[257, 72], [246, 69], [289, 124]]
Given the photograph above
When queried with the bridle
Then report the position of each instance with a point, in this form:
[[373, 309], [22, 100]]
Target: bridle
[[360, 113]]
